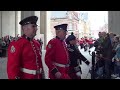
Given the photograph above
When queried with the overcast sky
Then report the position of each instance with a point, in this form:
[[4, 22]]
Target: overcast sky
[[58, 14], [96, 18]]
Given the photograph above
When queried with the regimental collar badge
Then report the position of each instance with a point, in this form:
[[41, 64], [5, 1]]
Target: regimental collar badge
[[12, 50]]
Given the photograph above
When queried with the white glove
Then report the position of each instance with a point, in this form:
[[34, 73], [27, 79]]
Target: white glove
[[117, 60], [101, 55], [78, 74], [113, 59], [58, 75]]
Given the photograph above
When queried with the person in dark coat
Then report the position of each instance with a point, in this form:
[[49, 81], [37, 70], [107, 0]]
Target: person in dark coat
[[75, 57], [107, 54]]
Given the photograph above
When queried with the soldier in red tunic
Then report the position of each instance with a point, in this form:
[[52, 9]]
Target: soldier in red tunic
[[81, 42], [24, 54], [56, 57], [90, 42]]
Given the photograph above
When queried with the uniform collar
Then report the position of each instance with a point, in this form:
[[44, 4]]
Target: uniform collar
[[29, 39], [59, 38]]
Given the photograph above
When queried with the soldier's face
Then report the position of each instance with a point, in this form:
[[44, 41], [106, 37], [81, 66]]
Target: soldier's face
[[63, 34], [32, 29], [73, 42]]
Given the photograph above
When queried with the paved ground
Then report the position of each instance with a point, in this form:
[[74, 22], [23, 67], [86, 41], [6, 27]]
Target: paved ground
[[3, 73], [85, 68]]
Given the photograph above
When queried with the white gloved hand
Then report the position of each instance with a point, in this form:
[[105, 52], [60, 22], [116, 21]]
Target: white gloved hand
[[113, 59], [117, 60], [58, 75], [78, 74]]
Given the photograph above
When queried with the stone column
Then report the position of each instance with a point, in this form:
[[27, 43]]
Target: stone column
[[8, 23], [114, 22], [43, 27], [0, 24], [45, 31], [17, 20], [48, 30], [37, 13]]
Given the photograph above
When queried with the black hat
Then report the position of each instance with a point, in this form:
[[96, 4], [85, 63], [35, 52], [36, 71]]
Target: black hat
[[70, 37], [61, 27], [29, 20]]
